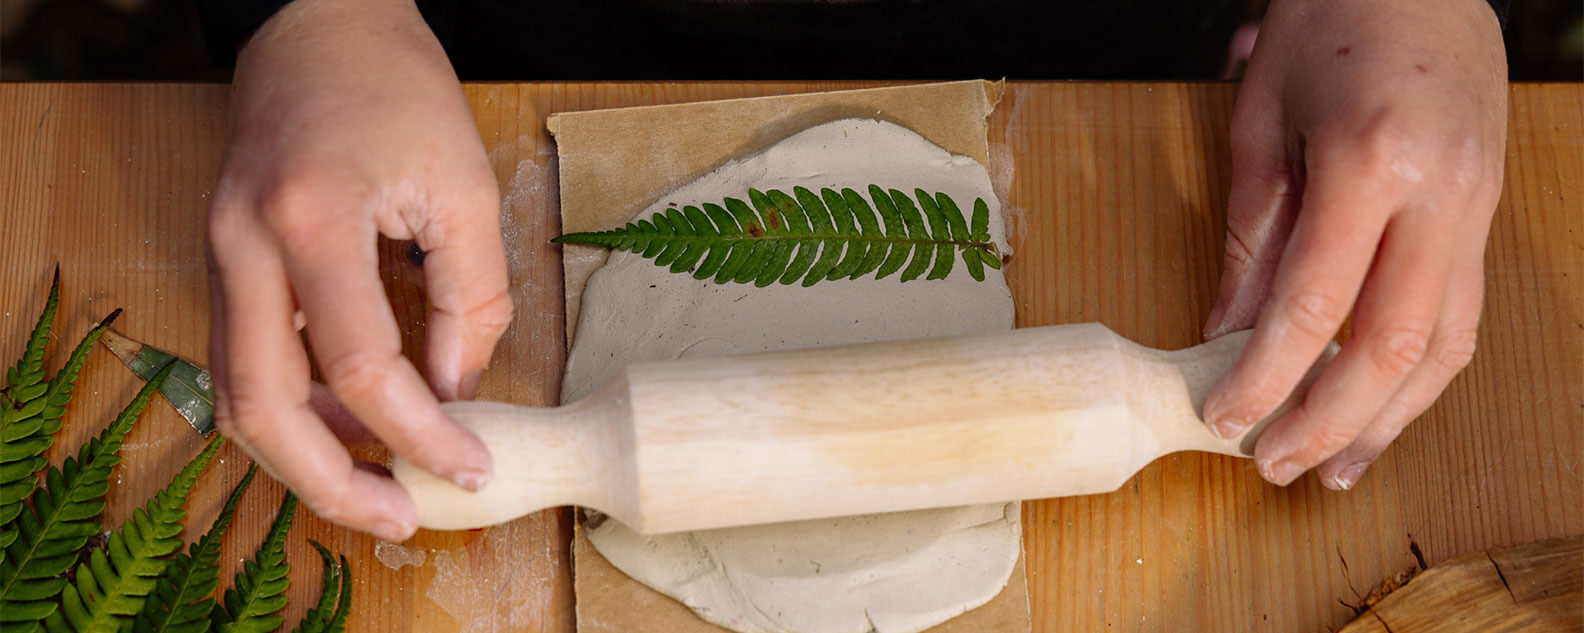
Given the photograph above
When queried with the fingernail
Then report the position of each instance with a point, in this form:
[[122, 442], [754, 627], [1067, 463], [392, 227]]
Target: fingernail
[[1228, 427], [1280, 473], [1217, 315], [471, 479], [1348, 477], [394, 531], [468, 388]]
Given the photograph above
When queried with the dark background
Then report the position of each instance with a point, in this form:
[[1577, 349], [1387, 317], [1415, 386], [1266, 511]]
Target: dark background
[[161, 40]]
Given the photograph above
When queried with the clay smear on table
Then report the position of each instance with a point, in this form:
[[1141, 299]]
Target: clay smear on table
[[894, 573]]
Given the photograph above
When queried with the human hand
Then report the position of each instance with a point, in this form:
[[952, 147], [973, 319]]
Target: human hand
[[347, 122], [1367, 146]]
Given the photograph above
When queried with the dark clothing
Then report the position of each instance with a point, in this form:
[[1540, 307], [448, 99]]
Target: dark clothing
[[808, 39]]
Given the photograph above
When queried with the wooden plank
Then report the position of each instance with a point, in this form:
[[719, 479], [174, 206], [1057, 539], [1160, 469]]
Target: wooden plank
[[1118, 192], [1533, 588]]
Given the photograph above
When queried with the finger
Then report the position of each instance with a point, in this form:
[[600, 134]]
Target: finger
[[341, 422], [262, 385], [217, 335], [355, 338], [470, 306], [1323, 266], [1267, 183], [1451, 349], [1396, 316]]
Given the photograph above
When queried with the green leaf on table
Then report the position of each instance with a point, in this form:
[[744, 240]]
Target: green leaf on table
[[183, 598], [31, 411], [111, 587], [188, 389], [335, 599], [253, 605], [60, 521]]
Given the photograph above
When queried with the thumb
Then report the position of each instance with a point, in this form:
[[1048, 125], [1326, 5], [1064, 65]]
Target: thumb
[[465, 274], [1267, 187]]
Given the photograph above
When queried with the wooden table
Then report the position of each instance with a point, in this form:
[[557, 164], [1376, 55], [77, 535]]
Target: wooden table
[[1117, 191]]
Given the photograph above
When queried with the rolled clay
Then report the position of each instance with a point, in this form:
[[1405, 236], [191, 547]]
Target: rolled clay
[[892, 573]]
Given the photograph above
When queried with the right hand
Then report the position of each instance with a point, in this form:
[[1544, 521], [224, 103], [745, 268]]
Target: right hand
[[347, 122]]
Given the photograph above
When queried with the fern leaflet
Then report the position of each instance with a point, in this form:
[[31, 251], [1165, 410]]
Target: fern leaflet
[[182, 601], [335, 599], [783, 238], [61, 520], [22, 380], [109, 589], [260, 591], [29, 424], [21, 418]]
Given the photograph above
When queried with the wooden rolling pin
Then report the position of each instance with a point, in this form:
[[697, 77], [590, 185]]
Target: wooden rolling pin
[[761, 438]]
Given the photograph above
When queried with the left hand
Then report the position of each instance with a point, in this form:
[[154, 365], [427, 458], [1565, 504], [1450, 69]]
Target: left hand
[[1367, 148]]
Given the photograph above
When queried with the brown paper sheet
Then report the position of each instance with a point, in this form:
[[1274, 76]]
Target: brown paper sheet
[[614, 163]]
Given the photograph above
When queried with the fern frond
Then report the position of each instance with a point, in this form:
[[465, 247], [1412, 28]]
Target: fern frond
[[182, 600], [109, 589], [61, 520], [22, 457], [26, 439], [22, 403], [335, 599], [834, 235], [338, 623], [260, 592], [23, 379]]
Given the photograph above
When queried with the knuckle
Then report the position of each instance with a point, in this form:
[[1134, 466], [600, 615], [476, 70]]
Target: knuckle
[[1398, 350], [296, 211], [330, 502], [1329, 440], [359, 376], [494, 314], [242, 415], [1239, 237], [1314, 314], [247, 420], [1455, 350], [227, 225], [1381, 138]]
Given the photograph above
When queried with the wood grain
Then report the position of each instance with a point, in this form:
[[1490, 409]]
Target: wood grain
[[1531, 588], [1117, 193]]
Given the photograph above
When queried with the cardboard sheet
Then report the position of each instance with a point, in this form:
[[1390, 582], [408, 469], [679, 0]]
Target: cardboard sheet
[[614, 163]]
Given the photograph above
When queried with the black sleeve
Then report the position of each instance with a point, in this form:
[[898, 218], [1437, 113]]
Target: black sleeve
[[226, 23]]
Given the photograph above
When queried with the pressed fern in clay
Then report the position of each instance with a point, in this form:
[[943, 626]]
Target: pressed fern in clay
[[827, 237]]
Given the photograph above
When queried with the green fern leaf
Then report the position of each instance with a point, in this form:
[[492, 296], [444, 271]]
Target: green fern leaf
[[62, 519], [21, 402], [940, 230], [898, 254], [111, 587], [843, 216], [914, 221], [335, 599], [809, 238], [260, 591], [22, 380], [181, 601], [29, 427]]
